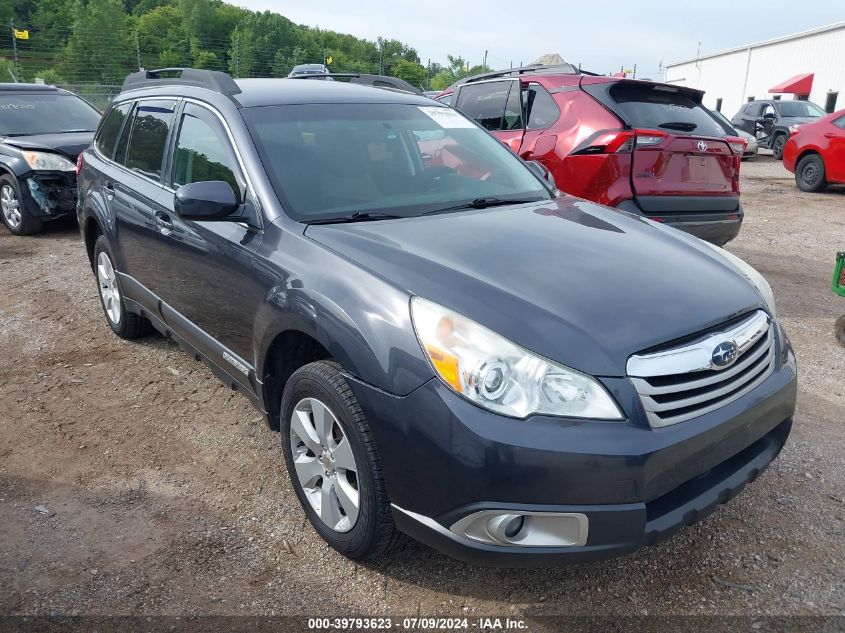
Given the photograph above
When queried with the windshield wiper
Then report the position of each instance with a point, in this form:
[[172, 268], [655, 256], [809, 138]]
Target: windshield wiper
[[682, 126], [483, 203], [358, 216]]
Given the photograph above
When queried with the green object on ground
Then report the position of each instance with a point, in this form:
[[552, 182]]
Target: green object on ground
[[839, 275]]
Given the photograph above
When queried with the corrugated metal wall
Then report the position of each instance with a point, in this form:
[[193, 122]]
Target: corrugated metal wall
[[738, 75]]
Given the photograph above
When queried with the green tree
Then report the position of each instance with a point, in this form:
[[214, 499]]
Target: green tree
[[412, 72], [99, 47]]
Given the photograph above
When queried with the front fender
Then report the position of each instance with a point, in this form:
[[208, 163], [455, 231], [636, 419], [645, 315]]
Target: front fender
[[363, 322]]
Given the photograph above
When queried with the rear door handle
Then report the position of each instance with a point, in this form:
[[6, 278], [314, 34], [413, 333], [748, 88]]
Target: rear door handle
[[829, 135], [165, 224]]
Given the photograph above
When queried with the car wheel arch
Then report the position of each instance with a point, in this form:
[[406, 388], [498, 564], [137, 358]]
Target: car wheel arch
[[91, 231], [288, 351]]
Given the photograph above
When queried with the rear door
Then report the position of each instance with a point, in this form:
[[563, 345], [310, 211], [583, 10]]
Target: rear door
[[496, 106], [680, 149]]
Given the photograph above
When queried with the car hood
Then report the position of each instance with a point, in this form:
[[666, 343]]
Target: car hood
[[70, 144], [579, 283]]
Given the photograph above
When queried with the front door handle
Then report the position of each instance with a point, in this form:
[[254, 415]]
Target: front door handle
[[165, 224]]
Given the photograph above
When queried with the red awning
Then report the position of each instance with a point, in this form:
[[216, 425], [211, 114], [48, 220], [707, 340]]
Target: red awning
[[799, 85]]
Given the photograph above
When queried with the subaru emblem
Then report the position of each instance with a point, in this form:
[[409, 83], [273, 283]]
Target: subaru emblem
[[702, 146], [724, 355]]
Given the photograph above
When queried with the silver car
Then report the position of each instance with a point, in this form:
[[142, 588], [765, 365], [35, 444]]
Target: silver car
[[750, 140]]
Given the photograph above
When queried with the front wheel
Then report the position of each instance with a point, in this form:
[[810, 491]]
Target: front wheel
[[17, 219], [810, 173], [332, 462]]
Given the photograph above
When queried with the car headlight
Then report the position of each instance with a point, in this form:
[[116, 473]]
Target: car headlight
[[47, 161], [746, 270], [501, 376], [794, 128]]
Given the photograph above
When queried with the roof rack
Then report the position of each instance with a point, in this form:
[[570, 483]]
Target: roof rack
[[538, 69], [210, 79], [375, 81], [23, 87]]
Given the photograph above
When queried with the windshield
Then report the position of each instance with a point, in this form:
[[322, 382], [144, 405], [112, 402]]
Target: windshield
[[335, 160], [23, 114], [800, 108]]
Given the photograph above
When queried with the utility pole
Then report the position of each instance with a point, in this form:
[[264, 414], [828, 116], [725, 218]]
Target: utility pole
[[138, 50], [635, 72], [237, 55], [484, 63], [15, 50]]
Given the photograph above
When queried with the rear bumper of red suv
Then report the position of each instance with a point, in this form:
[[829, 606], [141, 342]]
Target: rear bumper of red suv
[[715, 219]]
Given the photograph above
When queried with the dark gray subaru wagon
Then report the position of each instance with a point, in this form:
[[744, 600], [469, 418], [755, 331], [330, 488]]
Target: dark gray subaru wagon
[[449, 347]]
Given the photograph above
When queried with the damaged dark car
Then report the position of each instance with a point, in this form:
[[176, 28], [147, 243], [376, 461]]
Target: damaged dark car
[[43, 129]]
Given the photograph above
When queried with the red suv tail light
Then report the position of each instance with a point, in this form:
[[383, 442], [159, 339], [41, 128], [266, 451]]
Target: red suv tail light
[[79, 163], [736, 144], [607, 142], [646, 138]]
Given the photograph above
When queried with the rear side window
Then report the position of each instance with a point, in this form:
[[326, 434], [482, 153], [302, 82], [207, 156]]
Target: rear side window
[[203, 151], [486, 103], [540, 108], [148, 137], [110, 128], [840, 122], [662, 108]]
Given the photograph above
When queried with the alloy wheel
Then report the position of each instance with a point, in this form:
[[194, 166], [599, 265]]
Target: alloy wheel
[[325, 465], [11, 206], [107, 283]]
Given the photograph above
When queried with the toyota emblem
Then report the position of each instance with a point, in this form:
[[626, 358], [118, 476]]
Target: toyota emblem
[[702, 146]]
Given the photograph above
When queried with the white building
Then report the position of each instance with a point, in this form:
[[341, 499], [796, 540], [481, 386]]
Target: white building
[[808, 65]]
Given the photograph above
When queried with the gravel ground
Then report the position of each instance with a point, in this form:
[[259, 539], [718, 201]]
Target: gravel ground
[[132, 482]]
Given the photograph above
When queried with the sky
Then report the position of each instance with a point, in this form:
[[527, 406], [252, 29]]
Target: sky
[[603, 35]]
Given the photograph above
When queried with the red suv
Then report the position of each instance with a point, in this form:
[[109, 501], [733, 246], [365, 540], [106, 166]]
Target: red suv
[[644, 147], [815, 152]]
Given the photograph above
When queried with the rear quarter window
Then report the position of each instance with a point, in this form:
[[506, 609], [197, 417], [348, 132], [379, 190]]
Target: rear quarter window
[[663, 108], [110, 129]]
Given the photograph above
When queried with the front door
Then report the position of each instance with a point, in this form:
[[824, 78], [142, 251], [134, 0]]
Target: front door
[[497, 107], [208, 286]]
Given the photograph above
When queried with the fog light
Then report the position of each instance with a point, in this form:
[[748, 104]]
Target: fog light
[[524, 529]]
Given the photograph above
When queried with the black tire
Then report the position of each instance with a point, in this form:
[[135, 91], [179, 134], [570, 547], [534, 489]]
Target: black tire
[[28, 224], [374, 531], [777, 146], [128, 325], [810, 173]]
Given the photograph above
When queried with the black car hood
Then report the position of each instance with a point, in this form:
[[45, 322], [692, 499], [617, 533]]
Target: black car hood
[[579, 283], [70, 144]]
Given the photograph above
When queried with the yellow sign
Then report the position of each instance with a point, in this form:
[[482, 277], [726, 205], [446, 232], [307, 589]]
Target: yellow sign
[[21, 35], [329, 59]]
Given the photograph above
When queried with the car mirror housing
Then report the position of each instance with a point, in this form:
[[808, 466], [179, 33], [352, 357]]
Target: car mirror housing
[[210, 200]]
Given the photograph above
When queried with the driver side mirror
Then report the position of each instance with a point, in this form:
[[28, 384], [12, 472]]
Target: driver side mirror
[[209, 200]]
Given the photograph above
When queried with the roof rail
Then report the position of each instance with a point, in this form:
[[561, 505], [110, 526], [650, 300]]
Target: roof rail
[[544, 69], [210, 79], [375, 81]]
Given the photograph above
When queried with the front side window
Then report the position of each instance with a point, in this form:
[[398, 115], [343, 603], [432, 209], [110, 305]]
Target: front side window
[[148, 137], [203, 151], [541, 110], [840, 122], [485, 103], [29, 113], [801, 109], [334, 160], [110, 128]]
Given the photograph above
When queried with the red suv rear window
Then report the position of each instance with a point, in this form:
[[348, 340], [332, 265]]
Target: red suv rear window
[[661, 107]]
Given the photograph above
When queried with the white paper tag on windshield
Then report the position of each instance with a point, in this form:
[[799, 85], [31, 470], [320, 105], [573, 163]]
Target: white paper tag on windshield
[[445, 117]]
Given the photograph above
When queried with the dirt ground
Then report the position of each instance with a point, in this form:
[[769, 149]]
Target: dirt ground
[[132, 482]]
